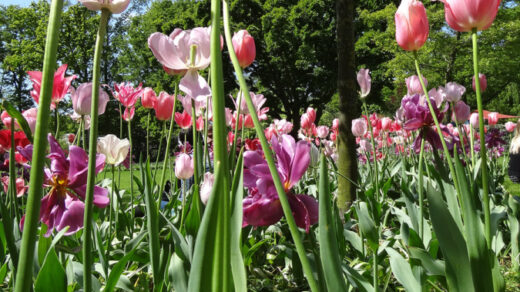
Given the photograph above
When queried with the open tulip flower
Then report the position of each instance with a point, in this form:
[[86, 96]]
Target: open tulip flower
[[115, 6], [174, 51], [128, 96], [262, 207], [464, 15], [82, 98], [115, 150], [60, 86], [67, 180], [183, 120]]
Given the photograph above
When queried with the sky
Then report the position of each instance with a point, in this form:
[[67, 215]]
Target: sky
[[23, 3]]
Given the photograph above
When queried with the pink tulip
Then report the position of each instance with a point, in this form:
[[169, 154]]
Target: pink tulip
[[244, 46], [21, 188], [82, 99], [308, 118], [30, 117], [60, 86], [473, 120], [510, 127], [322, 132], [335, 124], [206, 187], [465, 15], [127, 94], [149, 98], [359, 127], [454, 91], [493, 118], [411, 25], [183, 166], [414, 85], [115, 6], [364, 81], [6, 119], [164, 106], [386, 124], [199, 124], [461, 112], [483, 82], [183, 120], [128, 115]]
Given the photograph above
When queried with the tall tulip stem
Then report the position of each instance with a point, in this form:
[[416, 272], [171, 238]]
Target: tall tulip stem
[[295, 233], [91, 177], [25, 265], [421, 190], [483, 153], [372, 140]]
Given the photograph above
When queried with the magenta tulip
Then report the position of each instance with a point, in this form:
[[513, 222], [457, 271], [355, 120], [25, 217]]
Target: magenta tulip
[[244, 46], [411, 25], [60, 86], [465, 15]]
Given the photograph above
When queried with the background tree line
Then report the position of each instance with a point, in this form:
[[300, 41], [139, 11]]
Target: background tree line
[[296, 64]]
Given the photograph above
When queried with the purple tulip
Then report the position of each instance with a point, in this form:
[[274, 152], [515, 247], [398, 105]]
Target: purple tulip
[[461, 112], [454, 91], [67, 178], [262, 207], [82, 97]]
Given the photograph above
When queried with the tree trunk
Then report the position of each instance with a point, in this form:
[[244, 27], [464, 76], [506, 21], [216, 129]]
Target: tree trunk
[[349, 105]]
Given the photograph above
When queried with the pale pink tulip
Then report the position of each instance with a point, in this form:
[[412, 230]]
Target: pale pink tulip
[[510, 127], [465, 15], [244, 46], [473, 120], [364, 81], [454, 91], [6, 119], [206, 187], [30, 116], [411, 25], [115, 6], [386, 123], [413, 84], [183, 166], [82, 99], [359, 127], [461, 112], [322, 132]]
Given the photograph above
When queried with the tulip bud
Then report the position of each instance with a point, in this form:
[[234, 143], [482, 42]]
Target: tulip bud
[[473, 120], [483, 82], [414, 86], [359, 127], [149, 98], [468, 14], [206, 187], [115, 6], [335, 124], [164, 106], [315, 155], [183, 166], [364, 81], [510, 127], [322, 131], [30, 117], [244, 46], [411, 25], [386, 123], [6, 119], [461, 112], [493, 118]]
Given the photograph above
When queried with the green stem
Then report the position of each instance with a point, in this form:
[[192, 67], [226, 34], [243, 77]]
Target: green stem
[[163, 134], [483, 153], [374, 267], [295, 233], [438, 127], [421, 190], [147, 136], [131, 176], [91, 177], [195, 148], [57, 115], [472, 145], [166, 155], [12, 177], [374, 147], [25, 265], [109, 240]]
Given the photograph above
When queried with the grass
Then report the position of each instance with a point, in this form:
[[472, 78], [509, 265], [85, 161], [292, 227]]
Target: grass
[[124, 182], [511, 187]]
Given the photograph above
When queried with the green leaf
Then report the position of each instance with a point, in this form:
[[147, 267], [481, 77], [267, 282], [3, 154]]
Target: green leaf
[[433, 267], [367, 226], [14, 113], [43, 244], [177, 274], [451, 241], [183, 251], [329, 252], [3, 272], [402, 271], [118, 269], [237, 262], [357, 280], [52, 275]]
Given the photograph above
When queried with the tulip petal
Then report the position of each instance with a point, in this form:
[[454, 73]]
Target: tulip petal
[[300, 162], [166, 52], [195, 86]]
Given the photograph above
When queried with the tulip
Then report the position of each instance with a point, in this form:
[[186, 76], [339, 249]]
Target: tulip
[[413, 85], [183, 120], [114, 149], [510, 127], [461, 112], [365, 145], [473, 120], [70, 138], [483, 82], [244, 46], [60, 86], [128, 114], [364, 81], [6, 119], [386, 124], [149, 99], [359, 127], [164, 106], [335, 124], [308, 118], [30, 117], [493, 118], [411, 25], [322, 132], [127, 94], [454, 91], [465, 15], [21, 188], [206, 187], [183, 166], [199, 124], [115, 6], [82, 98]]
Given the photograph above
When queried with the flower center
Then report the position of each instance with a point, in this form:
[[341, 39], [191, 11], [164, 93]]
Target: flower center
[[59, 186]]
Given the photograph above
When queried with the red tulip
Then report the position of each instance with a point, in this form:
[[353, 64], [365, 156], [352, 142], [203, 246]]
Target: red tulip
[[183, 120], [164, 106], [60, 86], [149, 98], [465, 15], [244, 46], [411, 25]]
